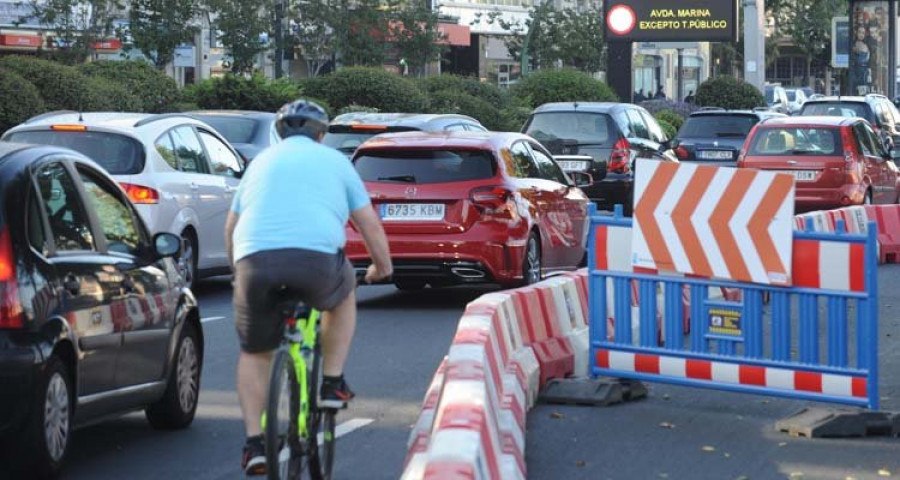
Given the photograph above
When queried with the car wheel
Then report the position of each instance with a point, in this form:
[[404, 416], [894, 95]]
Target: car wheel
[[42, 450], [178, 404], [410, 285], [187, 260], [531, 266]]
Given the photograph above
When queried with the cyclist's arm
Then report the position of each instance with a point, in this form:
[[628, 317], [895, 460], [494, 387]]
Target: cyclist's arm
[[230, 224], [369, 225]]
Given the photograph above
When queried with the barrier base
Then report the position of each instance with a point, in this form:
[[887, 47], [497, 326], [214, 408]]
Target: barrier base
[[592, 391], [838, 423]]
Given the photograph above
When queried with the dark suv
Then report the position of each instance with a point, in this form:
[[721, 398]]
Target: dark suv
[[878, 110], [716, 135], [602, 139], [350, 130], [94, 318]]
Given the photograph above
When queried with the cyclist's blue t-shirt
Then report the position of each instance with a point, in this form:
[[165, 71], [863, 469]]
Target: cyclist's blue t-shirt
[[296, 194]]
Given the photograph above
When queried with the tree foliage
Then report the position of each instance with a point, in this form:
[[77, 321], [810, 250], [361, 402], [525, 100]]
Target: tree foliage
[[22, 99], [158, 26], [243, 24], [76, 24], [414, 32], [312, 29], [808, 22]]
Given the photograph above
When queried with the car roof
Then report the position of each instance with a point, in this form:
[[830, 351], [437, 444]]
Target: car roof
[[589, 107], [833, 99], [234, 113], [823, 121], [397, 119], [125, 122], [442, 140], [761, 114]]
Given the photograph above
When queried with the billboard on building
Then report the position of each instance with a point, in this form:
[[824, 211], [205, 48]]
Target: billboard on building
[[671, 20], [869, 47], [840, 42]]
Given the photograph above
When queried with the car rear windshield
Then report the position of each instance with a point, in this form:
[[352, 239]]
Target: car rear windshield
[[234, 129], [816, 141], [584, 128], [426, 166], [117, 154], [837, 109], [718, 126], [346, 138]]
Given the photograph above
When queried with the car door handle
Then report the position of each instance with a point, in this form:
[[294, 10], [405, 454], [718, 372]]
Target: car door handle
[[230, 189], [194, 186], [71, 284]]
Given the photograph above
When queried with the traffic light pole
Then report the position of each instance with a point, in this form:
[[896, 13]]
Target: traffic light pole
[[754, 43]]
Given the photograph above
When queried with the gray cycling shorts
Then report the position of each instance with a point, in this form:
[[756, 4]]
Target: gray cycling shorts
[[261, 279]]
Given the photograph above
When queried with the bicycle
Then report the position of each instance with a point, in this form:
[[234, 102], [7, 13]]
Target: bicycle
[[292, 420]]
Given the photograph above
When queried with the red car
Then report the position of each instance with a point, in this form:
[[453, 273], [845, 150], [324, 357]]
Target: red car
[[462, 208], [836, 161]]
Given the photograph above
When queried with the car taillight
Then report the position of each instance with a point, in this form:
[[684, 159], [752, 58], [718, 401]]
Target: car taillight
[[740, 159], [141, 194], [621, 155], [489, 197], [849, 156], [681, 152], [11, 315]]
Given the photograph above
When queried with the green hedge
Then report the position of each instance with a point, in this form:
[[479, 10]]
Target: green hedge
[[367, 87], [668, 128], [156, 91], [21, 99], [729, 93], [455, 101], [670, 117], [62, 87], [487, 92], [107, 96], [548, 86], [233, 92]]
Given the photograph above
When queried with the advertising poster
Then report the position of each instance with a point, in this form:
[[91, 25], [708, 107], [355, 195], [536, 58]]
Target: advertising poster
[[869, 47]]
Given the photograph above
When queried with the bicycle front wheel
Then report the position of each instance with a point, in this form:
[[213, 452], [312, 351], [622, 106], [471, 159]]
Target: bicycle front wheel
[[283, 457]]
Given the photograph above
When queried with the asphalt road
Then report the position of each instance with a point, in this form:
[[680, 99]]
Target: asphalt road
[[400, 340], [696, 434]]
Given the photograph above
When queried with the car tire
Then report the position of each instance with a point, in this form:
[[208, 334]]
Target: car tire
[[187, 259], [41, 450], [531, 263], [176, 408], [413, 285]]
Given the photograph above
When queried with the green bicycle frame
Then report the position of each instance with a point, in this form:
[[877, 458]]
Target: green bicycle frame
[[307, 329]]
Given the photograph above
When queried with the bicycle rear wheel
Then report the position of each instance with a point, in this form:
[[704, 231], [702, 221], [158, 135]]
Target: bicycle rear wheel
[[283, 457]]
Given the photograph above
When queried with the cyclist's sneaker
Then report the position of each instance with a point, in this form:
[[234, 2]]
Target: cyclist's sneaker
[[335, 393], [254, 460]]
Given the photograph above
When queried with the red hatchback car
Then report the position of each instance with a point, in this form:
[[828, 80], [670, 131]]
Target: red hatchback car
[[836, 161], [462, 208]]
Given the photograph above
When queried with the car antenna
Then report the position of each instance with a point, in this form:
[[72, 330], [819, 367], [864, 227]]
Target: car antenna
[[80, 117], [575, 105]]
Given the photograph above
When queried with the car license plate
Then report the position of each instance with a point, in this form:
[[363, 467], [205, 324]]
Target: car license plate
[[412, 212], [715, 154], [573, 165], [802, 175]]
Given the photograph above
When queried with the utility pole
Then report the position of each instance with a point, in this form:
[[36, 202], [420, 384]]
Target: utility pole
[[279, 39], [754, 43]]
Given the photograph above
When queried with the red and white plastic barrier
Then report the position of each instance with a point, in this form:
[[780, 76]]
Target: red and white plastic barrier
[[856, 220], [507, 346]]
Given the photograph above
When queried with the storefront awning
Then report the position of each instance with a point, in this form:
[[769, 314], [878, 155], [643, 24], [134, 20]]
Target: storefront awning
[[21, 41], [455, 35]]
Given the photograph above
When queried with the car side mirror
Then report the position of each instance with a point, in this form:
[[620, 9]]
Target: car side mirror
[[581, 179], [166, 245]]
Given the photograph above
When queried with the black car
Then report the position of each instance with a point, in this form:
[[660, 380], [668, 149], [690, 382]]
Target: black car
[[877, 109], [94, 318], [249, 132], [350, 130], [716, 136], [603, 140]]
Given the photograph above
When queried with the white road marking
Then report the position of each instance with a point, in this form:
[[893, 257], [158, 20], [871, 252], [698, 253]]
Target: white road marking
[[347, 427], [211, 319]]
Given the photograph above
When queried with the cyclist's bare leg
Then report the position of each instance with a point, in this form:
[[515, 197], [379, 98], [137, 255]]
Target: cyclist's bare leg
[[253, 387], [338, 326]]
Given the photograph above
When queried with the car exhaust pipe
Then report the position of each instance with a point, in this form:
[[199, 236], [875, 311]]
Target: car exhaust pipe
[[467, 273]]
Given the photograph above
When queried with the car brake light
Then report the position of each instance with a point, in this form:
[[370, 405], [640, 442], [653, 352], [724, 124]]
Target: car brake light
[[369, 127], [11, 315], [489, 197], [849, 156], [681, 152], [621, 155], [140, 194], [69, 128]]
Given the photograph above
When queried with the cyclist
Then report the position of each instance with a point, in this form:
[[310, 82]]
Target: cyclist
[[286, 229]]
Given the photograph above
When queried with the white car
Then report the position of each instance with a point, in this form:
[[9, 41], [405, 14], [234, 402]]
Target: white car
[[178, 171], [796, 99]]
